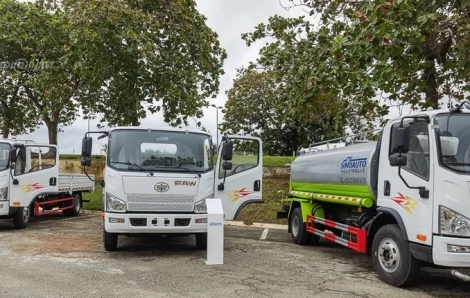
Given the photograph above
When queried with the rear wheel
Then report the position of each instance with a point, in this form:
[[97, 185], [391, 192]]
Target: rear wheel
[[21, 218], [298, 228], [392, 258], [75, 211], [110, 240], [201, 241]]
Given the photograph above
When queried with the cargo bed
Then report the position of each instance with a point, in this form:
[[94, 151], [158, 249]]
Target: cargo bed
[[69, 183]]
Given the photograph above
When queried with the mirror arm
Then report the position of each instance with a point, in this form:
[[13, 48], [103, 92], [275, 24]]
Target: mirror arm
[[422, 190]]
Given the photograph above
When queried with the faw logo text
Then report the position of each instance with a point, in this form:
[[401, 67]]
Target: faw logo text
[[185, 183]]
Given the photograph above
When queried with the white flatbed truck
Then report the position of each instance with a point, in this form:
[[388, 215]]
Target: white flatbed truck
[[157, 181], [30, 183]]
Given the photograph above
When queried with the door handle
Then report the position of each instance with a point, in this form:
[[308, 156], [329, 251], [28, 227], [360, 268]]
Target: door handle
[[387, 188], [257, 185], [52, 181]]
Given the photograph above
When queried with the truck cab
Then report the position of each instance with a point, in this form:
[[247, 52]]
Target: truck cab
[[404, 199], [30, 183], [424, 180], [157, 181]]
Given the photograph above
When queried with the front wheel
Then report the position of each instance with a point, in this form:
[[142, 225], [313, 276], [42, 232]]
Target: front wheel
[[201, 241], [21, 218], [392, 258], [110, 240]]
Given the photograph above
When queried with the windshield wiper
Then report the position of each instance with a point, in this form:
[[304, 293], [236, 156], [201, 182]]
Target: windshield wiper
[[131, 164], [457, 163]]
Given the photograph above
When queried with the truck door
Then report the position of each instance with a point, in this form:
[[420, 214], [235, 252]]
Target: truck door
[[401, 195], [242, 184], [35, 172]]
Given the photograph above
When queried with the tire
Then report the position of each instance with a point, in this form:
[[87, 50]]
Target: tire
[[392, 258], [21, 218], [110, 240], [299, 232], [75, 211], [201, 240]]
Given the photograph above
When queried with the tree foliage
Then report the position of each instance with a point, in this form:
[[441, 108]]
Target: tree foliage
[[116, 58], [155, 54], [413, 52], [260, 106]]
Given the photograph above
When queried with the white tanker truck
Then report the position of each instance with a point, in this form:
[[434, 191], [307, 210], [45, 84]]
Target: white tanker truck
[[404, 199]]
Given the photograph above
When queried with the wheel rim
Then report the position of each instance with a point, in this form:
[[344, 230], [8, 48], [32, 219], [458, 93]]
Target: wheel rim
[[295, 226], [77, 204], [389, 255], [25, 214]]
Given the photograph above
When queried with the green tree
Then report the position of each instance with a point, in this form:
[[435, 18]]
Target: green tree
[[48, 76], [414, 52], [154, 54], [113, 57], [17, 114], [260, 106]]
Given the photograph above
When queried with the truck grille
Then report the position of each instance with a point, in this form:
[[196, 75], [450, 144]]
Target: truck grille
[[160, 203]]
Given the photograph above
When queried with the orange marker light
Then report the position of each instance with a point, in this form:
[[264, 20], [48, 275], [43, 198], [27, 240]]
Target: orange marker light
[[421, 237], [16, 203]]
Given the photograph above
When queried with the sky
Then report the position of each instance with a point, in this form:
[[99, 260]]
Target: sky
[[230, 19]]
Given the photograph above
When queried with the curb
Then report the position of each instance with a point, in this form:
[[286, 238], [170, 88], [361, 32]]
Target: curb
[[257, 225]]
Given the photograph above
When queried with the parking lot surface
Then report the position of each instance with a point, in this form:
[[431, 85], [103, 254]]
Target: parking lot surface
[[64, 257]]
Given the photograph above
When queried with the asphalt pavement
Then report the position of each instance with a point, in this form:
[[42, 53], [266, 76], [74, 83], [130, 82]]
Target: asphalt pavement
[[63, 257]]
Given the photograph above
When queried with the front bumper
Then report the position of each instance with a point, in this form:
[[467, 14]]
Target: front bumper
[[129, 223], [442, 257]]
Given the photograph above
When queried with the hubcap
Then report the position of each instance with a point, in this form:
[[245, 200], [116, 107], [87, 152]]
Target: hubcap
[[25, 214], [77, 204], [295, 226], [389, 255]]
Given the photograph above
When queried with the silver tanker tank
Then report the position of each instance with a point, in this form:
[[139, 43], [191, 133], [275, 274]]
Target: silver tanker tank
[[347, 171]]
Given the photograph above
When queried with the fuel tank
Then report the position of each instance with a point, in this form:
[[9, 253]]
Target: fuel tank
[[347, 171]]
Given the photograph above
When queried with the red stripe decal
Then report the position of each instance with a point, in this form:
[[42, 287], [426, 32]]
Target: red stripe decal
[[330, 236], [330, 223]]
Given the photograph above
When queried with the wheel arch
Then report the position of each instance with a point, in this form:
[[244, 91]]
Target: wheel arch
[[306, 208], [384, 216]]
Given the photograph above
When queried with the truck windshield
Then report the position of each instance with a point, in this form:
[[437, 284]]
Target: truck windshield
[[157, 150], [4, 155], [454, 141]]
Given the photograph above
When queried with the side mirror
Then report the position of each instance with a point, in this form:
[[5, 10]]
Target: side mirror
[[85, 161], [398, 161], [13, 155], [227, 150], [227, 165], [87, 143], [400, 139]]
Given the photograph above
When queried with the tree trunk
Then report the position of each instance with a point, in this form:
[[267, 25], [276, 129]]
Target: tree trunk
[[52, 130], [430, 81], [135, 120], [6, 132]]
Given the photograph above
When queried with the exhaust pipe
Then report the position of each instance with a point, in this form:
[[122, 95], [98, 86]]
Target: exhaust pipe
[[460, 276]]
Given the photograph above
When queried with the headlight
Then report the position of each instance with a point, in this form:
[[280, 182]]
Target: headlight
[[453, 223], [115, 204], [4, 194], [200, 207]]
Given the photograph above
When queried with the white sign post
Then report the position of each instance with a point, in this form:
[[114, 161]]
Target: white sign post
[[215, 232]]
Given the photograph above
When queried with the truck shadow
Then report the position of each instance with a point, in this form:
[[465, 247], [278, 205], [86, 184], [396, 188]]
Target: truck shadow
[[435, 282], [157, 246]]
